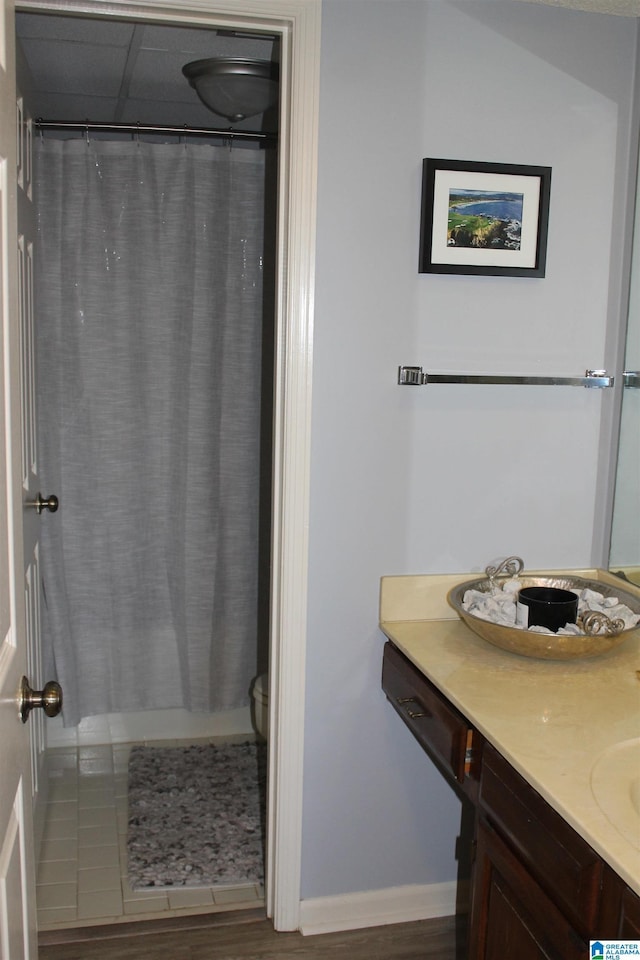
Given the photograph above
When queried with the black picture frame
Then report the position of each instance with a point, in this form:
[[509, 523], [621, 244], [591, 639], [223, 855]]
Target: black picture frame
[[507, 245]]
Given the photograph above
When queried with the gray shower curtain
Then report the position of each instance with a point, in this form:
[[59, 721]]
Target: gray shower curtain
[[149, 306]]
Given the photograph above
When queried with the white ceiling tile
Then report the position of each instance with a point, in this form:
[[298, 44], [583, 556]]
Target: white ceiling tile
[[197, 44], [75, 109], [79, 29], [158, 76], [61, 67], [178, 114]]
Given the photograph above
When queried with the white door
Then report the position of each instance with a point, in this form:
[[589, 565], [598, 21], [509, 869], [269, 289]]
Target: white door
[[32, 516], [17, 882]]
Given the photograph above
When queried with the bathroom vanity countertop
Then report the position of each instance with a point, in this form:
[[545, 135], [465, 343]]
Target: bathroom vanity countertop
[[552, 720]]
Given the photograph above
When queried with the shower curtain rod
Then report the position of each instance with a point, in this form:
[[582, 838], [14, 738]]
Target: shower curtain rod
[[185, 130]]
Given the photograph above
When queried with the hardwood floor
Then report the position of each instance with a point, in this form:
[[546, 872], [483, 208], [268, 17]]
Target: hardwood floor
[[255, 939]]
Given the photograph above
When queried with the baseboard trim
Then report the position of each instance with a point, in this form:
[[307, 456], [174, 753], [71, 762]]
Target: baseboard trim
[[372, 908]]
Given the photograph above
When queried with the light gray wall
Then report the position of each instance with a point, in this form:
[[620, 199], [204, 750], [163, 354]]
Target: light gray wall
[[444, 478]]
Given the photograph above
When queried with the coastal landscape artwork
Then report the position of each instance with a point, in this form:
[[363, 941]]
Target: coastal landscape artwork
[[485, 219]]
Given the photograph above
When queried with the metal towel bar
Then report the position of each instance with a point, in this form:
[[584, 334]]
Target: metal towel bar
[[415, 377]]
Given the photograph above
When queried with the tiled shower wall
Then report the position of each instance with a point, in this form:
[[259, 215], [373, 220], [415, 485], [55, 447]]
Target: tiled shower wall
[[147, 726]]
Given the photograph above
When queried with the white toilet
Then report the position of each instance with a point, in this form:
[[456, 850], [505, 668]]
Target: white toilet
[[260, 705]]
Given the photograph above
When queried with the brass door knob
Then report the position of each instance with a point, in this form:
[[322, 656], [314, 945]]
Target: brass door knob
[[40, 503], [50, 699]]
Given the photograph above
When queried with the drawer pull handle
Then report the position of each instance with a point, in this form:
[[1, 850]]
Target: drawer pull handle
[[413, 714]]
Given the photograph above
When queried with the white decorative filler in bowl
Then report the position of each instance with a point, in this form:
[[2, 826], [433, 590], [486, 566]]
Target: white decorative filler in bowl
[[607, 615]]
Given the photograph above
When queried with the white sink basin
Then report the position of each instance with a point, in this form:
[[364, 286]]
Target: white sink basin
[[615, 783]]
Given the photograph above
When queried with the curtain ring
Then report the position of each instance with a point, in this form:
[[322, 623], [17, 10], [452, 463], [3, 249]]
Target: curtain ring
[[86, 133]]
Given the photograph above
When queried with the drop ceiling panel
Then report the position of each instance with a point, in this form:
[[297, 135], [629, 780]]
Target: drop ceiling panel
[[79, 29], [158, 76], [77, 108], [86, 68], [61, 67], [180, 114], [197, 44]]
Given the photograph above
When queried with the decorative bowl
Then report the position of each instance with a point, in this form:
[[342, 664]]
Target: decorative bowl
[[545, 646]]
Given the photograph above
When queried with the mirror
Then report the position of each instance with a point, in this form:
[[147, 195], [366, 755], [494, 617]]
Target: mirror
[[624, 556]]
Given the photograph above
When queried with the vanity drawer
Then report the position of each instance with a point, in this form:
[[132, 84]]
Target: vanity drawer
[[437, 726], [561, 861]]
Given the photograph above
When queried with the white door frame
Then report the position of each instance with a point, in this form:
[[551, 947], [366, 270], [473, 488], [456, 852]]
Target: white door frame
[[298, 23]]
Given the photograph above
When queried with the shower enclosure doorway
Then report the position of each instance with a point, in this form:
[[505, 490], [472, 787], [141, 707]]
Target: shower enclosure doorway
[[298, 22], [151, 333]]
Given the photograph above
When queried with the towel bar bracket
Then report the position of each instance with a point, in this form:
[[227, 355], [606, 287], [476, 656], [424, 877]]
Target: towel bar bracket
[[416, 377], [411, 376]]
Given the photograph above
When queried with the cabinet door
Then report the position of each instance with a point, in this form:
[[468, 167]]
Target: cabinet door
[[629, 916], [619, 910], [511, 916], [562, 863]]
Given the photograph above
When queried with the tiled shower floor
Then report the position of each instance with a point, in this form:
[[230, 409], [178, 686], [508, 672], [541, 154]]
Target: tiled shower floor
[[82, 871]]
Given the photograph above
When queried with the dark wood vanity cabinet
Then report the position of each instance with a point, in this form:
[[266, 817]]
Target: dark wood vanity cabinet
[[628, 922], [620, 909], [536, 882], [538, 890], [511, 916]]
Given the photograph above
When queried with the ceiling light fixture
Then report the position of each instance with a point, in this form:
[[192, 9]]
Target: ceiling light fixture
[[232, 87]]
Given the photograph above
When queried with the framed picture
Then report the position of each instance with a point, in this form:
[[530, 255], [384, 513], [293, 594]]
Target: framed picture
[[484, 218]]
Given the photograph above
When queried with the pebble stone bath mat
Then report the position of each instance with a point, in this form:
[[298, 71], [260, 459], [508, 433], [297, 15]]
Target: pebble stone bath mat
[[196, 815]]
